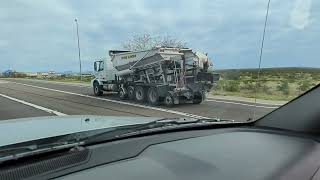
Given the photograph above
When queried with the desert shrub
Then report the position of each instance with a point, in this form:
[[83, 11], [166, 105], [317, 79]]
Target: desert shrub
[[284, 87], [19, 75], [305, 85], [232, 75], [266, 89], [232, 86], [248, 85]]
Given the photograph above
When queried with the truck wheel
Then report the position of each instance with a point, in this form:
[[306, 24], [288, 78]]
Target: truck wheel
[[197, 99], [140, 94], [97, 90], [122, 93], [153, 97], [168, 101], [131, 94]]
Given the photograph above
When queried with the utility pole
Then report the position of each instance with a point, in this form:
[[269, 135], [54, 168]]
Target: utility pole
[[78, 47]]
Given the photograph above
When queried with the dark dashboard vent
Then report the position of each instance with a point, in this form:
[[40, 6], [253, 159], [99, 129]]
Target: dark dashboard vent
[[42, 165]]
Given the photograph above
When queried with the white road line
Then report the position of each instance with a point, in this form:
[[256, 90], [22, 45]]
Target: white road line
[[1, 82], [119, 102], [252, 105], [236, 100], [61, 83], [34, 105]]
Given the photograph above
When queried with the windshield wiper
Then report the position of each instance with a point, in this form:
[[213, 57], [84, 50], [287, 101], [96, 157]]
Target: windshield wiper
[[15, 153], [154, 126]]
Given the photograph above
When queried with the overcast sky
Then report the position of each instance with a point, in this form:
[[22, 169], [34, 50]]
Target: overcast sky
[[40, 35]]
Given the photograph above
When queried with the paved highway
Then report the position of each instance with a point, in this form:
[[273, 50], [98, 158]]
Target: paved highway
[[30, 98]]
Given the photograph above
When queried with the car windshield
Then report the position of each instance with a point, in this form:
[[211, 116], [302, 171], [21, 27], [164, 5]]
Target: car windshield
[[227, 60]]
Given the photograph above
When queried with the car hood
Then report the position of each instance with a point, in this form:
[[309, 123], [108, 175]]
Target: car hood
[[27, 129]]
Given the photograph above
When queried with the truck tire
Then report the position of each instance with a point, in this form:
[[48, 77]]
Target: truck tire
[[153, 97], [140, 94], [131, 94], [122, 94], [197, 99], [97, 89], [168, 101]]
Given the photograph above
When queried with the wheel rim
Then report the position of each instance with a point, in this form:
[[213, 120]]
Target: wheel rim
[[131, 93], [96, 89], [168, 100], [139, 94], [153, 96]]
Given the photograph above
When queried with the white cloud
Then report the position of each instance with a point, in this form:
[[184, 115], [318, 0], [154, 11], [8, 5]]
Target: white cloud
[[300, 14]]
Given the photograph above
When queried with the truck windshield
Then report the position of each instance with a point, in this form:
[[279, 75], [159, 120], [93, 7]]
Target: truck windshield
[[101, 64], [98, 65], [202, 59]]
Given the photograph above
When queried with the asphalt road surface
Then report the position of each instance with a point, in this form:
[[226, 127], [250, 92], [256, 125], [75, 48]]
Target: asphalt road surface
[[31, 98]]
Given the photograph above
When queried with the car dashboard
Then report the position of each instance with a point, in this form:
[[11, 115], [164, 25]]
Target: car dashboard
[[231, 153]]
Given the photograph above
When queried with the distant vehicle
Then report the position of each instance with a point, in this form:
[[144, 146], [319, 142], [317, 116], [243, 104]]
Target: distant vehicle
[[162, 74], [7, 73]]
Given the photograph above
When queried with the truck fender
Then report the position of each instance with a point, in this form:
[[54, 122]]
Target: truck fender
[[96, 80]]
